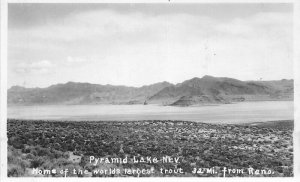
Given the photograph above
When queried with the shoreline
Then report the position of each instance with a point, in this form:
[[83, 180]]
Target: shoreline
[[235, 113], [156, 104], [289, 123]]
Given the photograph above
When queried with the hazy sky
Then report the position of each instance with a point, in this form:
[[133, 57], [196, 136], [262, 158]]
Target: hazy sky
[[140, 44]]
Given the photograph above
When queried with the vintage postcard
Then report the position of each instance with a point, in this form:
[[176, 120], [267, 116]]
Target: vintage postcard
[[148, 89]]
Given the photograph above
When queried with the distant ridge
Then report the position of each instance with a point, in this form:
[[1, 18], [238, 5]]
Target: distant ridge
[[205, 90]]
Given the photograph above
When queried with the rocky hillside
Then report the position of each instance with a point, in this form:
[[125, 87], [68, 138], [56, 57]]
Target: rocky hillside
[[210, 89], [203, 90], [83, 93]]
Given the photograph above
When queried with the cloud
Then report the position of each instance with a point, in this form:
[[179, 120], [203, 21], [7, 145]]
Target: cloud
[[107, 25], [108, 29], [40, 67], [268, 24], [75, 59], [136, 49]]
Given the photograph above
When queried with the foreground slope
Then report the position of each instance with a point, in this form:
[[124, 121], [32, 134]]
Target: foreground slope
[[266, 146]]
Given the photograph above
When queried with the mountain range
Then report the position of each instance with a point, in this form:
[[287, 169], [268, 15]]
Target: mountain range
[[205, 90]]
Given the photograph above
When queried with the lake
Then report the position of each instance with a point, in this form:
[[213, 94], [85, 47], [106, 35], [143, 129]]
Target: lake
[[224, 113]]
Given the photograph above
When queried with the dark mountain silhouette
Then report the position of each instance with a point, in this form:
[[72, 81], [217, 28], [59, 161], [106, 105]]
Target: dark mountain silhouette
[[210, 89], [83, 93], [203, 90]]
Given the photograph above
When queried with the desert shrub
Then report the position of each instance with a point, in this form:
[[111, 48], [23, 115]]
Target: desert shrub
[[29, 156], [42, 151], [57, 146], [11, 154], [15, 171], [54, 154], [66, 155], [33, 152], [18, 144], [26, 149], [14, 157], [36, 162], [288, 172], [61, 162], [48, 165], [278, 169]]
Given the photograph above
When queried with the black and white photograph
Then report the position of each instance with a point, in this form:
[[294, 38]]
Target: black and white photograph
[[189, 89]]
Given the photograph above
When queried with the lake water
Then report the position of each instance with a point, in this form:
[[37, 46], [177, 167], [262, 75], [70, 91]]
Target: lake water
[[225, 113]]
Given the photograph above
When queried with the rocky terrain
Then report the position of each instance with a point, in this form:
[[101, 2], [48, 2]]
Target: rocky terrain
[[224, 90], [203, 90], [67, 144]]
